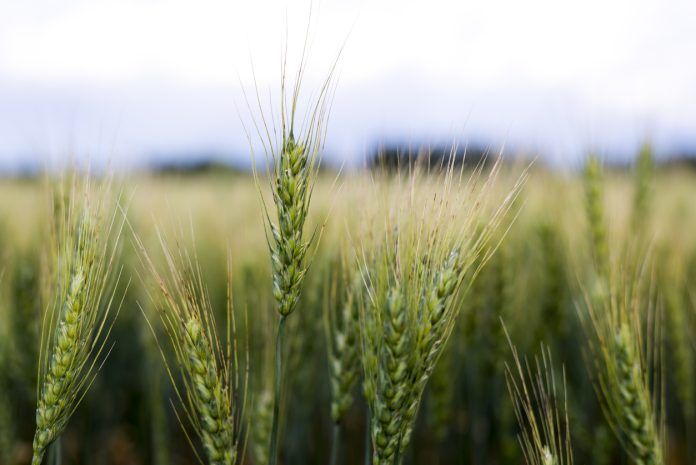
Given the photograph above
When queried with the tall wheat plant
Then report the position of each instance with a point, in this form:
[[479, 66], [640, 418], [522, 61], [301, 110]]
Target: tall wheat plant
[[294, 155], [623, 337]]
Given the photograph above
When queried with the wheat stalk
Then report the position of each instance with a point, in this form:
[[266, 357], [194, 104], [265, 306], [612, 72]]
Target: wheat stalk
[[294, 167]]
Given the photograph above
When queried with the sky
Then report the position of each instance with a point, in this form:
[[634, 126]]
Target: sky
[[130, 82]]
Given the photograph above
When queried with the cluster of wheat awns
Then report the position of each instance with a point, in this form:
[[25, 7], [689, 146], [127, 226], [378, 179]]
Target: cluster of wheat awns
[[413, 274], [541, 415]]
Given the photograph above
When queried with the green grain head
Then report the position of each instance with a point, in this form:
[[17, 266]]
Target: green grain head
[[294, 155], [624, 350], [594, 204], [342, 326], [643, 176], [413, 273], [76, 325], [210, 384]]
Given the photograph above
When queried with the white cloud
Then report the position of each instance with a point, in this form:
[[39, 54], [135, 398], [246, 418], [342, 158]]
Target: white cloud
[[582, 61]]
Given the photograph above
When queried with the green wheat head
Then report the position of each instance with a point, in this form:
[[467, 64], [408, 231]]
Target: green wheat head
[[293, 155], [342, 328], [643, 176], [413, 274], [211, 383], [594, 204], [623, 361], [76, 326]]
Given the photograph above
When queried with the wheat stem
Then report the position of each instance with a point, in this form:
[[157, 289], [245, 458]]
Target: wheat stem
[[335, 440], [368, 439], [273, 458]]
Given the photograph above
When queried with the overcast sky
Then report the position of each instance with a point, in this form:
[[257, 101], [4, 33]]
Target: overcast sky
[[134, 80]]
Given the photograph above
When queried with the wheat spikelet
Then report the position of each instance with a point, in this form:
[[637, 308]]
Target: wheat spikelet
[[76, 328], [343, 344], [413, 276], [291, 196], [49, 413], [437, 319], [623, 383], [211, 390], [594, 203], [632, 402], [641, 195], [386, 378], [294, 166], [209, 397]]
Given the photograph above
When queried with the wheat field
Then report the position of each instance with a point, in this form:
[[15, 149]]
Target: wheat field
[[499, 314]]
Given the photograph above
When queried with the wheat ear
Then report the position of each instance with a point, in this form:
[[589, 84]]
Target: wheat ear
[[594, 203], [413, 275], [294, 167], [624, 386], [341, 323], [76, 328], [213, 381]]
